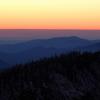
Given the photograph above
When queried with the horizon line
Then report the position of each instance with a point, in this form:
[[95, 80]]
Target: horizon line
[[45, 38], [49, 29]]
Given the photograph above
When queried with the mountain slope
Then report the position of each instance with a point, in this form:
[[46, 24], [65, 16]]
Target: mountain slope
[[62, 42], [73, 76], [36, 49], [29, 55], [91, 48], [3, 64]]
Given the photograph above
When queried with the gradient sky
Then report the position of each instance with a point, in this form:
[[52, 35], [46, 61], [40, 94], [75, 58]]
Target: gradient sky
[[49, 14]]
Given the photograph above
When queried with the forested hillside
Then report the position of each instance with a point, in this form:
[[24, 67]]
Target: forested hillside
[[73, 76]]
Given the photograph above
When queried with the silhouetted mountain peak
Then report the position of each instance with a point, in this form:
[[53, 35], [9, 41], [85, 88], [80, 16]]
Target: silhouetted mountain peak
[[67, 38]]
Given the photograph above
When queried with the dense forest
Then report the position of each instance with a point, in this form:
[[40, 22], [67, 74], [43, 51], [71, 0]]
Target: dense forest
[[73, 76]]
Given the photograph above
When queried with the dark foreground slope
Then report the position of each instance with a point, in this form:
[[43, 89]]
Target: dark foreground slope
[[74, 76]]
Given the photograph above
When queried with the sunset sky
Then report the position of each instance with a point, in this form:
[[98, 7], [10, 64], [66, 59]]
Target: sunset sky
[[49, 14]]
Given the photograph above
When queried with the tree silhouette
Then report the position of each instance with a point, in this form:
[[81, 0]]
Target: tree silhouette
[[73, 76]]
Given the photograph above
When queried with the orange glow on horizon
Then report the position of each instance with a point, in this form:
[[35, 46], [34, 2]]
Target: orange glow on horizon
[[50, 14]]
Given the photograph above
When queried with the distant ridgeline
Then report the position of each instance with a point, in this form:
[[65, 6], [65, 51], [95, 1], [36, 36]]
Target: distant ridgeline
[[11, 54], [73, 76]]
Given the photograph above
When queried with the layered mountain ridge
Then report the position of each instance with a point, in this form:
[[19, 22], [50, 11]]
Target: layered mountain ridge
[[39, 48]]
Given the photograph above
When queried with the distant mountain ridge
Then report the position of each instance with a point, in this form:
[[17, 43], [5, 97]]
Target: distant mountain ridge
[[39, 48], [60, 42], [2, 63], [94, 47]]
